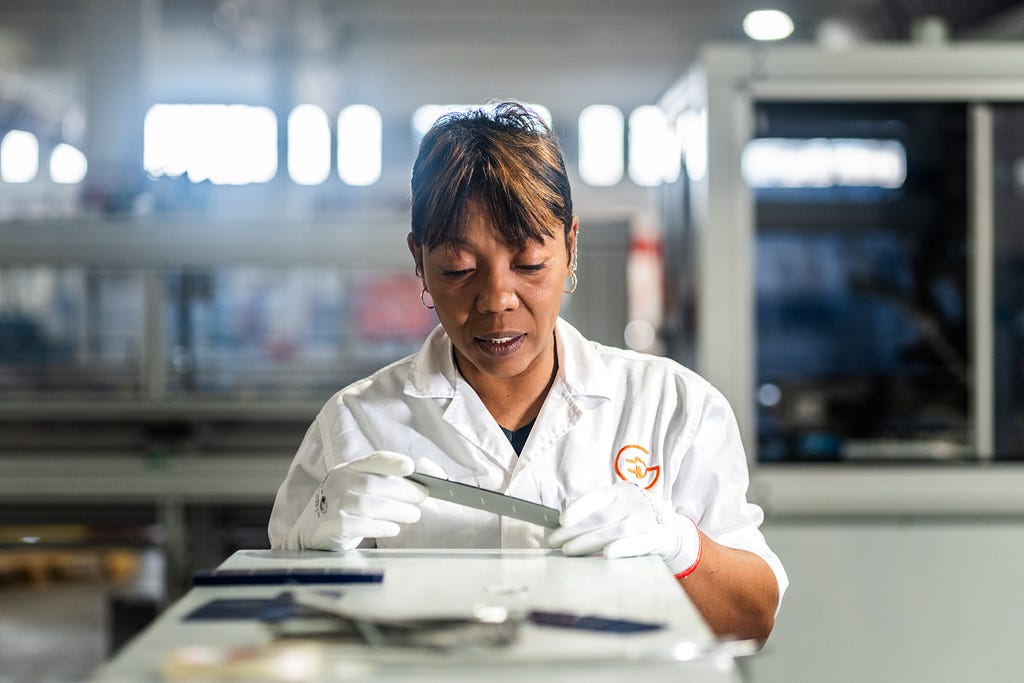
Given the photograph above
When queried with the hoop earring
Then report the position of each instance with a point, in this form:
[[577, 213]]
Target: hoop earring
[[574, 280], [423, 301]]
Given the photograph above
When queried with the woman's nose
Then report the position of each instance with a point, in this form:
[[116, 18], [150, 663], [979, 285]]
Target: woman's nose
[[497, 293]]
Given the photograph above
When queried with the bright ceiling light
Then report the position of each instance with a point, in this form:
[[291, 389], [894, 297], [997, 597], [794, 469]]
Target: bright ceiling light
[[653, 148], [68, 165], [222, 144], [19, 157], [424, 117], [767, 24], [309, 145], [601, 129], [824, 162], [359, 144]]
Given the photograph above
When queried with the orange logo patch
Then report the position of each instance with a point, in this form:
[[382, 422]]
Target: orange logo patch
[[631, 466]]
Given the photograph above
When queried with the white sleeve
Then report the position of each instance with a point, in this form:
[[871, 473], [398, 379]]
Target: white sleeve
[[718, 486], [294, 505]]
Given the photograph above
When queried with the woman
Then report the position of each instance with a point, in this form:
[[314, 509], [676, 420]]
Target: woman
[[641, 454]]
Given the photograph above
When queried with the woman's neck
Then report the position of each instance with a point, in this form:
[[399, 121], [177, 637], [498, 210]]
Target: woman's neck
[[514, 401]]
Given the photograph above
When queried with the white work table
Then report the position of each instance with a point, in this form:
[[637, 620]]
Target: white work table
[[450, 582]]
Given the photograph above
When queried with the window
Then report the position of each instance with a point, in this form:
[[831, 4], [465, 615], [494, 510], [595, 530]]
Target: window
[[19, 157], [359, 145], [861, 270], [424, 117], [222, 144], [601, 129], [309, 145], [68, 165], [654, 152]]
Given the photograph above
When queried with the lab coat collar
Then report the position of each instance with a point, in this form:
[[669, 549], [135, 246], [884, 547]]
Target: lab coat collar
[[433, 372], [580, 366]]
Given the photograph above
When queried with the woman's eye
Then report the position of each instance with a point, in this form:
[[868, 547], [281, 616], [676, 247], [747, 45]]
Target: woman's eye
[[532, 267], [456, 273]]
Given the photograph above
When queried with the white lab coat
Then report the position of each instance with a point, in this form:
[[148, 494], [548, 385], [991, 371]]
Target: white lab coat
[[611, 414]]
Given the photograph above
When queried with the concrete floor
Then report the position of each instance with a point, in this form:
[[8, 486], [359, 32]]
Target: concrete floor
[[56, 633]]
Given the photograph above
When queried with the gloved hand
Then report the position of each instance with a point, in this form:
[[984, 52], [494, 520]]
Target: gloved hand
[[364, 498], [623, 520]]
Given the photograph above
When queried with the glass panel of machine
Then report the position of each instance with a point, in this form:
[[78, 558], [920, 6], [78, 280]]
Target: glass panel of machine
[[1008, 131], [861, 267]]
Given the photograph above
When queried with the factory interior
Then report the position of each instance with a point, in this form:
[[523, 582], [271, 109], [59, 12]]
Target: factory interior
[[203, 216]]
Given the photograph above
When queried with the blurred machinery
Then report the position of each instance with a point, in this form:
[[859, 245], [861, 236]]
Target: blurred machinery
[[868, 202], [843, 260], [157, 391]]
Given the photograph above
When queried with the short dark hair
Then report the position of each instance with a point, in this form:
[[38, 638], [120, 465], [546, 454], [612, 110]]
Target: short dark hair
[[508, 159]]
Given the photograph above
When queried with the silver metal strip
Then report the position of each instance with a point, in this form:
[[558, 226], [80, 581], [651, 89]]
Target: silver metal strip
[[486, 500]]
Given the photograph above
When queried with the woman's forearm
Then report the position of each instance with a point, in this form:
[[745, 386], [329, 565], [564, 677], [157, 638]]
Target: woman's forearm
[[734, 590]]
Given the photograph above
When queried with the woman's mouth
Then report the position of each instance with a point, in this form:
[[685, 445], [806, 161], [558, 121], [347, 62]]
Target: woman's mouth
[[500, 346]]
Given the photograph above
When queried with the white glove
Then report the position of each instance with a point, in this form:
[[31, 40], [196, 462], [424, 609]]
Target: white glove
[[623, 520], [364, 498]]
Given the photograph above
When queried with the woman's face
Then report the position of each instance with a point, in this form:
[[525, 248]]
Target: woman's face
[[498, 303]]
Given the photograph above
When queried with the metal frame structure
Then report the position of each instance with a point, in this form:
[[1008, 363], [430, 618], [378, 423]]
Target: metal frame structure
[[724, 84]]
